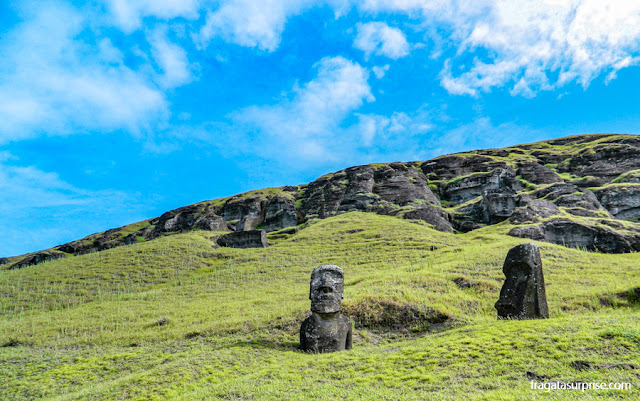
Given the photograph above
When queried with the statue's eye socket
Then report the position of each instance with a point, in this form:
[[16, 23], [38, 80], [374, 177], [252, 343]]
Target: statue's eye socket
[[327, 290]]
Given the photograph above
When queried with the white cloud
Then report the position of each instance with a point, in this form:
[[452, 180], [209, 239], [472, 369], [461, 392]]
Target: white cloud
[[55, 83], [385, 132], [171, 58], [530, 45], [128, 14], [308, 123], [251, 23], [380, 39], [380, 71]]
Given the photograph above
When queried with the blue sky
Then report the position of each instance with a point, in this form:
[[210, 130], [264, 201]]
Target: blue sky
[[116, 111]]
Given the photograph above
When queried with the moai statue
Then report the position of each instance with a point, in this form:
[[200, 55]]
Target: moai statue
[[326, 330], [523, 294]]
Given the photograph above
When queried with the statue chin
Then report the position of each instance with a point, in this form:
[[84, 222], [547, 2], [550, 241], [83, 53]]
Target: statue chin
[[325, 308]]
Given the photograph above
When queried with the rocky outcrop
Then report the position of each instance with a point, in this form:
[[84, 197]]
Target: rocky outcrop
[[37, 258], [244, 239], [622, 201], [604, 161], [437, 217], [576, 235], [532, 210], [463, 189], [448, 167], [367, 188], [199, 216], [536, 187], [568, 195], [537, 174]]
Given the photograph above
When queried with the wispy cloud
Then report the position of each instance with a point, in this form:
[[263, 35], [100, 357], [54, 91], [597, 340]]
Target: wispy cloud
[[53, 81], [380, 39], [171, 58], [528, 45], [128, 14], [306, 122], [250, 23]]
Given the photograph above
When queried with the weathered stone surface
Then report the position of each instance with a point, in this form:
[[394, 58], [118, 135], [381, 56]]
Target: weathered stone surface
[[435, 216], [499, 203], [451, 166], [622, 201], [186, 218], [466, 188], [37, 258], [400, 184], [532, 210], [381, 189], [532, 232], [537, 174], [4, 261], [326, 330], [570, 196], [575, 235], [523, 293], [279, 213], [604, 161], [244, 239]]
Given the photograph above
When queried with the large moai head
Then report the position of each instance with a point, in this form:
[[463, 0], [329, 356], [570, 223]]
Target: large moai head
[[327, 284], [523, 293]]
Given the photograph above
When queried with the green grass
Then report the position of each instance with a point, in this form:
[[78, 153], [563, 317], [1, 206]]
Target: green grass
[[180, 318]]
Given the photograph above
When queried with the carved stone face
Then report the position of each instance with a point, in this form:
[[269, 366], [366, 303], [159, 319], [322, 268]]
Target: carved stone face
[[327, 283], [523, 294]]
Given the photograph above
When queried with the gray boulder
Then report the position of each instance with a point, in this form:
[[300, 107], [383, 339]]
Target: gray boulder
[[244, 239]]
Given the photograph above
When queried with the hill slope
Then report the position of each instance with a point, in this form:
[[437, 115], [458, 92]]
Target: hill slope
[[579, 191], [180, 318]]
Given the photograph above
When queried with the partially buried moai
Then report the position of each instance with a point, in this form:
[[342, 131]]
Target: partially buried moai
[[523, 294], [326, 330]]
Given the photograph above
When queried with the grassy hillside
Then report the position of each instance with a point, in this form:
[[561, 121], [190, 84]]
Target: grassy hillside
[[180, 318]]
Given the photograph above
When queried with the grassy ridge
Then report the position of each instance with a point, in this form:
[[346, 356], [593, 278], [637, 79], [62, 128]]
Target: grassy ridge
[[178, 317]]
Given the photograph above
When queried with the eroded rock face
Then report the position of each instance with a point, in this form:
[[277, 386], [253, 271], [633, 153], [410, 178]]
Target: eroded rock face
[[575, 235], [605, 161], [499, 203], [4, 261], [532, 210], [244, 239], [569, 196], [622, 201], [202, 217], [38, 258], [279, 213], [451, 166], [327, 329], [435, 216], [537, 173], [523, 293], [469, 187]]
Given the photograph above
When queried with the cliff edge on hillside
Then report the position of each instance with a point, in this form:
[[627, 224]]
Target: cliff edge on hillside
[[579, 191]]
